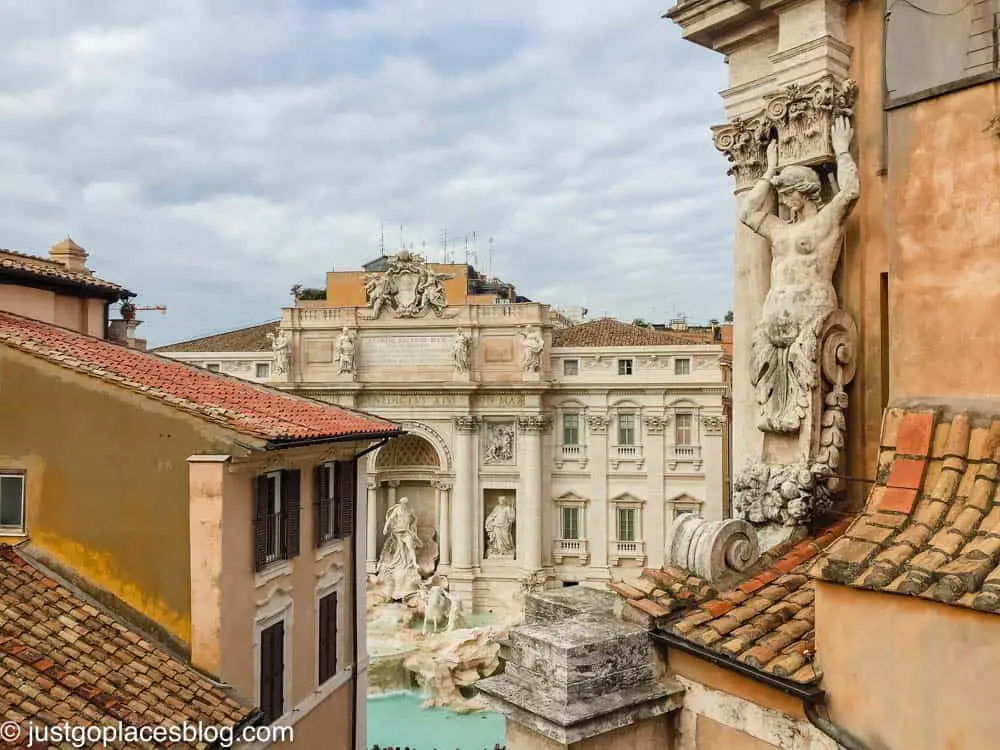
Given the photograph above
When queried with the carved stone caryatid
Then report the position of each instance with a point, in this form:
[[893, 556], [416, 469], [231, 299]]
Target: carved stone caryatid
[[500, 443], [655, 424], [281, 348], [347, 349], [713, 425], [712, 548], [801, 116], [598, 423], [803, 347], [409, 286], [461, 348], [531, 352]]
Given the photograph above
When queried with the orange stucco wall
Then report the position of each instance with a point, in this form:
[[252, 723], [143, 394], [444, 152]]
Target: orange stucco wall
[[31, 303], [907, 674], [83, 314], [106, 482], [347, 288], [712, 734]]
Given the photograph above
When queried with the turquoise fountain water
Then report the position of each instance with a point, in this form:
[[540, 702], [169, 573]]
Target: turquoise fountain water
[[398, 719]]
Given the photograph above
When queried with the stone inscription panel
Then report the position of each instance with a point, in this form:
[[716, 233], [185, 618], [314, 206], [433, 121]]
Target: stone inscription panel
[[405, 350]]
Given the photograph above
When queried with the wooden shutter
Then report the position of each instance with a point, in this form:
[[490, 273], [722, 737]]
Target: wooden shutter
[[272, 671], [327, 637], [321, 504], [291, 481], [261, 489], [345, 490]]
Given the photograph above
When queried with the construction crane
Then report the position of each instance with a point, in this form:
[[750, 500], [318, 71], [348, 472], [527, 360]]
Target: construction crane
[[128, 310], [162, 309]]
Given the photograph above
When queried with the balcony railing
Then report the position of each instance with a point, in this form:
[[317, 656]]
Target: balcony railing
[[571, 451], [275, 525], [578, 548], [685, 452], [629, 452], [628, 551]]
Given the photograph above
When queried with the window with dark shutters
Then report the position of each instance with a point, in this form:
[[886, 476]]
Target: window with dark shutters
[[260, 521], [326, 508], [291, 481], [327, 637], [272, 671], [345, 489]]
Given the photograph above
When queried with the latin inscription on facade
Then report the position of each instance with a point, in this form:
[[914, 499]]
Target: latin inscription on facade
[[406, 350], [409, 399]]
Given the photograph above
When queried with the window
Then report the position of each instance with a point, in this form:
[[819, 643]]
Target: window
[[682, 366], [272, 671], [571, 429], [12, 503], [276, 517], [212, 366], [263, 370], [626, 428], [570, 523], [571, 367], [327, 637], [684, 429], [624, 366], [626, 524], [334, 503]]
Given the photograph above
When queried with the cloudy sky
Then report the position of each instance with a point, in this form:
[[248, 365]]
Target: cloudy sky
[[212, 153]]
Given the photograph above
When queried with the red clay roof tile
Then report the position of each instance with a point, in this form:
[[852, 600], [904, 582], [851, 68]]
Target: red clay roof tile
[[245, 407], [611, 332], [43, 269]]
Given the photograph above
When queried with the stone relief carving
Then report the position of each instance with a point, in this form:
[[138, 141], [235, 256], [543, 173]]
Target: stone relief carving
[[801, 116], [500, 443], [347, 347], [409, 286], [704, 363], [713, 425], [802, 350], [655, 424], [281, 348], [499, 527], [598, 423], [531, 353], [460, 351], [712, 548]]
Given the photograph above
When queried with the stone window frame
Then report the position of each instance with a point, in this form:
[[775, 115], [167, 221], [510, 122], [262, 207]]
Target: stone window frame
[[20, 530], [559, 456], [213, 366], [636, 413], [678, 368], [628, 501], [576, 366], [278, 607], [685, 503], [572, 500], [266, 370], [626, 366], [333, 581]]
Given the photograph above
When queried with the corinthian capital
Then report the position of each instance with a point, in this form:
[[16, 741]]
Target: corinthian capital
[[598, 423]]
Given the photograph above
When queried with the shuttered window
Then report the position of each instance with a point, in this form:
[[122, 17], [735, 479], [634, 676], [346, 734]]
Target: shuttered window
[[327, 637], [272, 671], [334, 500], [276, 517]]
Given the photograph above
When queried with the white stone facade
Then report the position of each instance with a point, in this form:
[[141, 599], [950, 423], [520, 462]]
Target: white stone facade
[[598, 448]]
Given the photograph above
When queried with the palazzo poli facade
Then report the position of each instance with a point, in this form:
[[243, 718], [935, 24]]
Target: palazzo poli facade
[[597, 434]]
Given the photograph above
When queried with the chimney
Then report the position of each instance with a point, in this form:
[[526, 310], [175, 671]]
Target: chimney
[[71, 255]]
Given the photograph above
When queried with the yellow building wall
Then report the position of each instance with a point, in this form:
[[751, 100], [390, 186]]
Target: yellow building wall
[[902, 672], [106, 482], [347, 288]]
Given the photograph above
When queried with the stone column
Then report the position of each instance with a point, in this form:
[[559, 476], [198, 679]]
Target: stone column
[[597, 513], [462, 506], [371, 553], [712, 428], [390, 493], [529, 501], [654, 520], [444, 523]]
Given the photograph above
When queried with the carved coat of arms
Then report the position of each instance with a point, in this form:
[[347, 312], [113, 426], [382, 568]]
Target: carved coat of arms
[[409, 286]]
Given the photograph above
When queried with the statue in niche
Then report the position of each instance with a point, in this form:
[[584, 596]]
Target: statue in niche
[[280, 346], [346, 349], [804, 253], [531, 354], [399, 552], [500, 445], [500, 530], [460, 351]]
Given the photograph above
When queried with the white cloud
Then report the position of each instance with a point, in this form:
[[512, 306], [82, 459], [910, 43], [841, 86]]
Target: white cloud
[[210, 155]]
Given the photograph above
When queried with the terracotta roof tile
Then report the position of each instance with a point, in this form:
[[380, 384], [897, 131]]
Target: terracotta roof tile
[[47, 678], [611, 332], [43, 269], [250, 339], [669, 589], [248, 408], [938, 538]]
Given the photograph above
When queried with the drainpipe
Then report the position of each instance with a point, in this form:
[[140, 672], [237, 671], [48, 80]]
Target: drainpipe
[[837, 734], [354, 599]]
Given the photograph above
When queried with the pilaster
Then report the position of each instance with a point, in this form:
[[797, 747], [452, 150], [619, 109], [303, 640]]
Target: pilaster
[[654, 520], [712, 429], [597, 511], [371, 548], [529, 511]]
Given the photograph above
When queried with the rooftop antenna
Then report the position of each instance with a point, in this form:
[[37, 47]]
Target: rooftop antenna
[[381, 238], [490, 270], [402, 244], [466, 249], [444, 244], [475, 251]]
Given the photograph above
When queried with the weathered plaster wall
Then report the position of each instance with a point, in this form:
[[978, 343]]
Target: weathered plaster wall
[[713, 734], [31, 303], [327, 726], [944, 188], [908, 674], [107, 482]]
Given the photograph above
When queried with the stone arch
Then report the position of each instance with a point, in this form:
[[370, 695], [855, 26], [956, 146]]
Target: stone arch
[[416, 431]]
